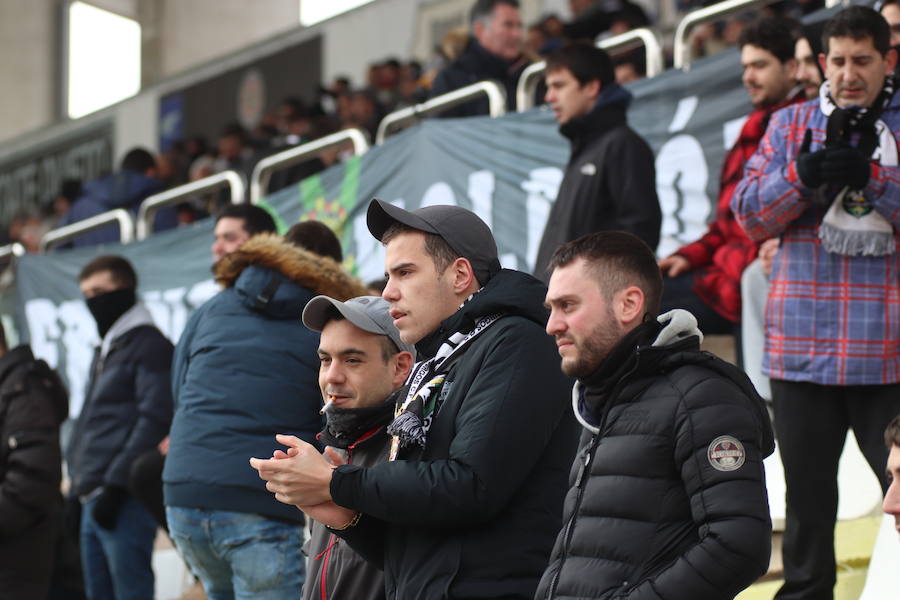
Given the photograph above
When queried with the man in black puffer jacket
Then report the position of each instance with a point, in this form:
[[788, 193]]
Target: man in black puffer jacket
[[668, 497], [33, 403], [473, 502]]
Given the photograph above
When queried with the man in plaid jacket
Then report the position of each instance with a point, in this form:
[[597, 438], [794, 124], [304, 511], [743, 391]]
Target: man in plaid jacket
[[704, 276], [825, 179]]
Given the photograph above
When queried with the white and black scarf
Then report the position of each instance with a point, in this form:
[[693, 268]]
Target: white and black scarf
[[413, 416], [851, 226]]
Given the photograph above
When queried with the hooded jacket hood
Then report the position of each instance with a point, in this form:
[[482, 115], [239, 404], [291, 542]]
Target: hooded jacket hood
[[21, 356], [508, 292], [246, 270], [609, 111], [125, 189]]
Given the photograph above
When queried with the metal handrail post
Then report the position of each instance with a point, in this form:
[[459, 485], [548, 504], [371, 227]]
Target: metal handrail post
[[495, 93], [152, 204], [15, 249], [629, 40], [67, 232], [682, 58], [262, 172]]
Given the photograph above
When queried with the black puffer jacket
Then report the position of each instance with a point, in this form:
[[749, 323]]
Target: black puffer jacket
[[33, 403], [668, 501], [127, 409], [610, 180], [473, 65], [475, 515]]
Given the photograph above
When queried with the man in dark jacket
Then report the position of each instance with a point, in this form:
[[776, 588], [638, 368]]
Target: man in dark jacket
[[33, 404], [610, 181], [493, 52], [136, 180], [363, 363], [245, 369], [127, 411], [668, 496], [471, 499]]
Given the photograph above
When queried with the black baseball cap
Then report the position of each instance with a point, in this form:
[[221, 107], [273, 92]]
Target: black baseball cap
[[462, 229]]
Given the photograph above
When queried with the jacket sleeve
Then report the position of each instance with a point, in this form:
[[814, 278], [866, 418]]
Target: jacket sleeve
[[367, 539], [505, 423], [771, 196], [884, 191], [153, 404], [632, 185], [30, 485], [729, 507], [182, 353]]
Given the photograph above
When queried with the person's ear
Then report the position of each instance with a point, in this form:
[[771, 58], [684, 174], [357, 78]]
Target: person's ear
[[629, 305], [463, 275], [402, 365]]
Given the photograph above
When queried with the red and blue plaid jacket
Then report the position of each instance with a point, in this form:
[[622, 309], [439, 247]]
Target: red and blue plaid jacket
[[830, 319]]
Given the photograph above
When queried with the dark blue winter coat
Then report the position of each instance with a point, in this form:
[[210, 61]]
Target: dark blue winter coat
[[246, 369]]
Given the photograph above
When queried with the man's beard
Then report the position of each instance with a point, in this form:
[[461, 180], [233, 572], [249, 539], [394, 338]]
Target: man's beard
[[593, 349]]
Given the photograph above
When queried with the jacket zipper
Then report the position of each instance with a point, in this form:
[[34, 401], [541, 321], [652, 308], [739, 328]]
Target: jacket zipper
[[581, 481]]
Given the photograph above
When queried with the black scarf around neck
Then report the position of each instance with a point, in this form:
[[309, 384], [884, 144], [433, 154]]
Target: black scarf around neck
[[345, 426]]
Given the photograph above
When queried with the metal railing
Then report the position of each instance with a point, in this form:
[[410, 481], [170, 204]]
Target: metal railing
[[11, 250], [624, 42], [151, 204], [682, 49], [263, 170], [68, 232], [496, 96]]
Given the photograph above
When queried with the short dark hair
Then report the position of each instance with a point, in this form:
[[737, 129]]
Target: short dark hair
[[316, 237], [881, 5], [858, 23], [892, 433], [119, 268], [436, 247], [776, 35], [388, 347], [138, 159], [256, 219], [484, 9], [586, 62], [617, 259]]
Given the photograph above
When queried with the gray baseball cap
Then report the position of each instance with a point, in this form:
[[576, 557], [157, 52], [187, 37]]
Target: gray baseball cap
[[462, 229], [369, 313]]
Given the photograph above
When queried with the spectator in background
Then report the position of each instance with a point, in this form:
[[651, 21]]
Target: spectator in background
[[234, 151], [494, 51], [704, 276], [237, 223], [806, 52], [69, 190], [826, 180], [594, 17], [630, 66], [610, 179], [890, 10], [33, 404], [891, 503], [363, 362], [316, 237], [127, 411], [136, 179], [245, 369]]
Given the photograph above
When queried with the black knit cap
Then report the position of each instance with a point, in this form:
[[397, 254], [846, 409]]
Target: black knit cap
[[462, 229]]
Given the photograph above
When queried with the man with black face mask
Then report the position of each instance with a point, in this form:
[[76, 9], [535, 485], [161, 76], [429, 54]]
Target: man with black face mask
[[127, 410]]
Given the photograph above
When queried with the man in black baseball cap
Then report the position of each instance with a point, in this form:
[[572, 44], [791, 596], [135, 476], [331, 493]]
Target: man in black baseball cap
[[470, 502]]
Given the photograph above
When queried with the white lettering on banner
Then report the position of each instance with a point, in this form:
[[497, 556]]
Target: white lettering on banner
[[731, 130], [481, 193], [438, 193], [542, 188], [681, 178], [369, 251], [65, 335]]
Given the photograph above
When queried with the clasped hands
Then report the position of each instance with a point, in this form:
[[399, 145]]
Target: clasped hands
[[838, 165], [301, 477]]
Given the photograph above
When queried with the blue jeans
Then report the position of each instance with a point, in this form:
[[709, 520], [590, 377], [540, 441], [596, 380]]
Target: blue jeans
[[240, 556], [117, 563]]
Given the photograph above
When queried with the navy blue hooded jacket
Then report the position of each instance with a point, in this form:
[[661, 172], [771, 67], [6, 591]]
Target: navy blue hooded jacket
[[246, 369]]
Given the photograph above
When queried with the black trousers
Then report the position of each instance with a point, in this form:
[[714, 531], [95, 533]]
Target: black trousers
[[811, 423]]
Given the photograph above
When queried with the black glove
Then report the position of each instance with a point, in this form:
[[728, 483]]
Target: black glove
[[108, 505], [846, 165], [809, 164]]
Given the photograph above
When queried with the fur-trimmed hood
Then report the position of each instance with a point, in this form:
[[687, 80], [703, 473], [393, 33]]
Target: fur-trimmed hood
[[316, 273]]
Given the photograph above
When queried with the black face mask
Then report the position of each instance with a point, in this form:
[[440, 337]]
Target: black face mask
[[107, 308]]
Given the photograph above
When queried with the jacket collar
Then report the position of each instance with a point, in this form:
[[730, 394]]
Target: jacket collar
[[608, 112], [134, 317], [476, 58], [14, 357]]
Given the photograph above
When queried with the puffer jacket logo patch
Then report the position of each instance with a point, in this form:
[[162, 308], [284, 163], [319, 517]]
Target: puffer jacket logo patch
[[726, 453], [588, 169]]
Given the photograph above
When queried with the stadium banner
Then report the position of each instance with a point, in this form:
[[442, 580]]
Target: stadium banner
[[507, 170]]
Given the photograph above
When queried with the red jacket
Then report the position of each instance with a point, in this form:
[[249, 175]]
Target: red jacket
[[719, 257]]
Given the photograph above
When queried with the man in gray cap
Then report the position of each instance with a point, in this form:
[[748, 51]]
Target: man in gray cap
[[470, 500], [363, 364]]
